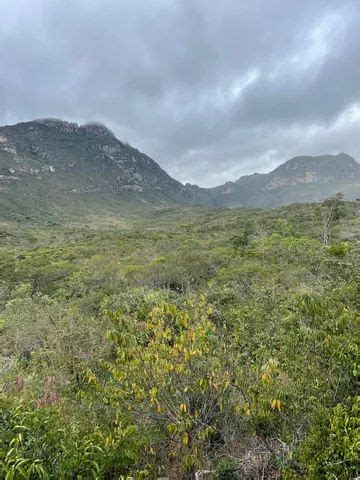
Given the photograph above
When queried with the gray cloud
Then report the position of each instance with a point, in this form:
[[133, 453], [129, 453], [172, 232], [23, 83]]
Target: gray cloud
[[211, 90]]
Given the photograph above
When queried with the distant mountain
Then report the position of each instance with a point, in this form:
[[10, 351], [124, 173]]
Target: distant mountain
[[49, 167], [53, 170], [301, 179]]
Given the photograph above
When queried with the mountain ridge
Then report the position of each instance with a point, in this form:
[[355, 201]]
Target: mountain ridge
[[47, 164], [329, 173], [48, 161]]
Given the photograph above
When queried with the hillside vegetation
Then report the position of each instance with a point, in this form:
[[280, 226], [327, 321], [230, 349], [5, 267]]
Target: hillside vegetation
[[56, 171], [51, 170], [185, 339]]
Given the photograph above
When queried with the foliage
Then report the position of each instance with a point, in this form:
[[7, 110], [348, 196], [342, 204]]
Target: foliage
[[169, 375], [332, 449], [339, 249], [35, 444], [153, 347], [331, 213], [226, 469]]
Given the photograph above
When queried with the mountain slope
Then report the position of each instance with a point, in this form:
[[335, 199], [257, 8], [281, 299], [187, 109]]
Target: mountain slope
[[49, 165], [55, 170], [301, 179]]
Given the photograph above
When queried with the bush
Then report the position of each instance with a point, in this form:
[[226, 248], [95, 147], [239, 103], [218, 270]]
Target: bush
[[226, 469], [340, 249], [332, 449], [36, 443]]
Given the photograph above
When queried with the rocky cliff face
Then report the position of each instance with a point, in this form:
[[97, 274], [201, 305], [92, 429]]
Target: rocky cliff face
[[324, 170], [301, 179], [47, 155]]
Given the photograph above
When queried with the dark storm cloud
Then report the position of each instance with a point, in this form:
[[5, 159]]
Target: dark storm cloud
[[211, 90]]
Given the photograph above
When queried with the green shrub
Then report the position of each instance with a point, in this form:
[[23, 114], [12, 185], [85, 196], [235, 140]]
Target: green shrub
[[226, 469], [340, 249], [332, 447]]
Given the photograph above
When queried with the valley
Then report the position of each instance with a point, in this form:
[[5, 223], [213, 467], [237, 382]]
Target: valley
[[183, 339], [52, 170], [149, 331]]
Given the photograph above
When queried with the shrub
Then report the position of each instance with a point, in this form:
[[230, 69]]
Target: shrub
[[332, 449], [226, 469], [340, 249]]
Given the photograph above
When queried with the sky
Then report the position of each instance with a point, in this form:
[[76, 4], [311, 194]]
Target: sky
[[211, 90]]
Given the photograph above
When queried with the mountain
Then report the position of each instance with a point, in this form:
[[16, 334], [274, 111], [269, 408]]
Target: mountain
[[49, 167], [301, 179], [53, 170]]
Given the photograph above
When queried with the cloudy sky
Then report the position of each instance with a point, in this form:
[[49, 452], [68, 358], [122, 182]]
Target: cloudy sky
[[211, 90]]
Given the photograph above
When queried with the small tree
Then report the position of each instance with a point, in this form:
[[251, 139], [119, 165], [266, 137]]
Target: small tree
[[170, 378], [331, 213]]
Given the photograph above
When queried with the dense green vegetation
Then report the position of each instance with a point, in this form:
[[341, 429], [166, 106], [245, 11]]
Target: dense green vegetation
[[182, 340]]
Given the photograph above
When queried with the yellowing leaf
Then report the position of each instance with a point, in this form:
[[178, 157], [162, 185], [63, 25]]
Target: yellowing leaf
[[276, 404], [185, 438], [171, 428], [265, 378]]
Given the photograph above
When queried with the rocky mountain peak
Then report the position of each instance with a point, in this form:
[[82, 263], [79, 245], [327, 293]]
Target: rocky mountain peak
[[300, 179], [318, 162], [51, 158], [52, 123], [320, 169], [97, 130]]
